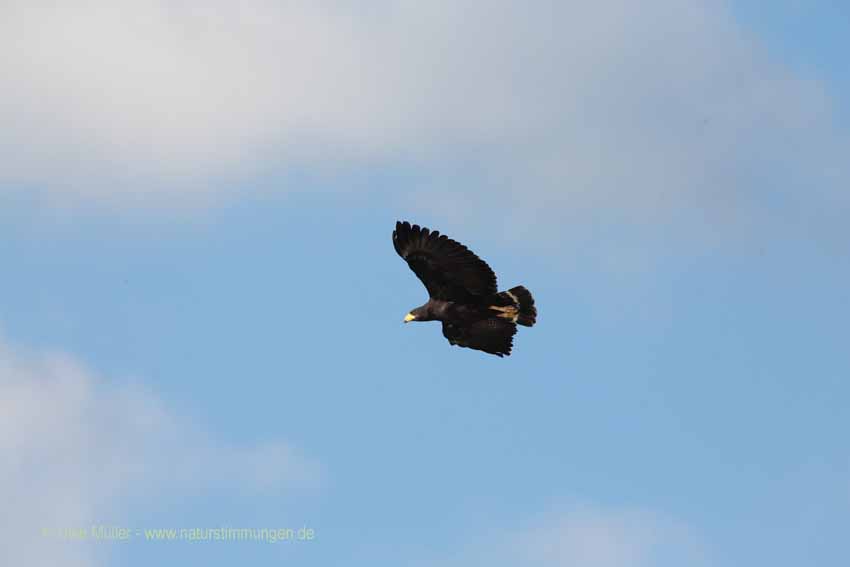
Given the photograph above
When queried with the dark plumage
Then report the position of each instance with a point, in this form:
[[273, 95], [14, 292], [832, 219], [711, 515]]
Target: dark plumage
[[462, 290]]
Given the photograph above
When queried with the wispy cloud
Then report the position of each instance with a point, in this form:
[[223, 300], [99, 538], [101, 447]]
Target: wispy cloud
[[590, 536], [596, 537], [636, 111], [76, 451]]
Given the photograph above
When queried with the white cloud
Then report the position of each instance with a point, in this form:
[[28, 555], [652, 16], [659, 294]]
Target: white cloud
[[590, 536], [593, 537], [77, 451], [637, 110]]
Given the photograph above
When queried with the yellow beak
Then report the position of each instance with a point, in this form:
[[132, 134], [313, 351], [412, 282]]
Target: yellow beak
[[409, 317]]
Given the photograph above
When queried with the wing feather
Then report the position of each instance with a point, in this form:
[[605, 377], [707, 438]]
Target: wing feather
[[449, 270], [494, 336]]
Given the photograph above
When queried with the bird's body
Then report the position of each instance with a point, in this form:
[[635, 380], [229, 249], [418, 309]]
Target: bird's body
[[463, 293]]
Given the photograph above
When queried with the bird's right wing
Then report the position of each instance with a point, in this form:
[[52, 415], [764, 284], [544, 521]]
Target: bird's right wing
[[449, 270], [493, 335]]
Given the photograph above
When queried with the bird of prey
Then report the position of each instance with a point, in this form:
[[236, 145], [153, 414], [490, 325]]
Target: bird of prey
[[463, 292]]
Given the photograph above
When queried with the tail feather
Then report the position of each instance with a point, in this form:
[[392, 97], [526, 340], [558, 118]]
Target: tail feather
[[516, 305]]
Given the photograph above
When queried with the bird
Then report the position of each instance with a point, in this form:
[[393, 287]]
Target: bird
[[462, 291]]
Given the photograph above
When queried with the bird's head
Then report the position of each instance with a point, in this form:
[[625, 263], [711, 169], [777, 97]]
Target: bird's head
[[418, 314]]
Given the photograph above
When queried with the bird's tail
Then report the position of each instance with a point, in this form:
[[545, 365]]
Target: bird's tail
[[515, 305]]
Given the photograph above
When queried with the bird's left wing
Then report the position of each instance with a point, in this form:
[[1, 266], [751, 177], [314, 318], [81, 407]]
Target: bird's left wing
[[449, 270]]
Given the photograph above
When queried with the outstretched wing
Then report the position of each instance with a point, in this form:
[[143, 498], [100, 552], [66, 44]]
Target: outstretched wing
[[449, 270], [490, 335]]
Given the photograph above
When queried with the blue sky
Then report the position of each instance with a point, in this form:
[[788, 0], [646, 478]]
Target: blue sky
[[200, 317]]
